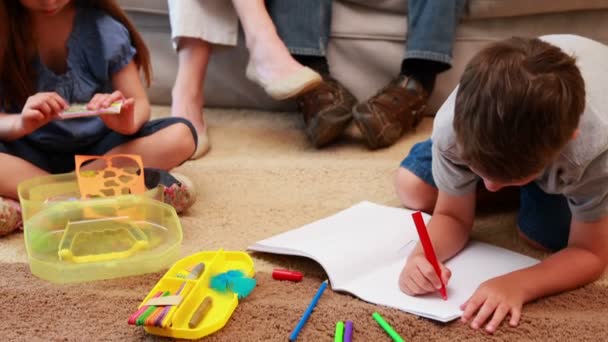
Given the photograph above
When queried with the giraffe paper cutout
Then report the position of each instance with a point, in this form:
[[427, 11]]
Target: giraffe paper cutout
[[105, 176]]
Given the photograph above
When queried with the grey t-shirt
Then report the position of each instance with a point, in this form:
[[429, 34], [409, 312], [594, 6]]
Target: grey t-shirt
[[580, 173]]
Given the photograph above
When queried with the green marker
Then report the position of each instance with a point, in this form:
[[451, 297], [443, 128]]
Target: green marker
[[389, 330], [339, 336]]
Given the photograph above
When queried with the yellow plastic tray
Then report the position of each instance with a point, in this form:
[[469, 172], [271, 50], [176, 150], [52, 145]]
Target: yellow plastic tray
[[196, 290], [68, 239]]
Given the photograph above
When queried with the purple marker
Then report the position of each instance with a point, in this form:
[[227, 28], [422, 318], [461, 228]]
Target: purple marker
[[348, 331]]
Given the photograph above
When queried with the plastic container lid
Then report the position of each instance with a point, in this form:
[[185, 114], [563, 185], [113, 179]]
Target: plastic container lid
[[72, 240]]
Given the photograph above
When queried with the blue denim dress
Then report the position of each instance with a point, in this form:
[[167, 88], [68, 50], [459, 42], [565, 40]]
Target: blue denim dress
[[98, 47]]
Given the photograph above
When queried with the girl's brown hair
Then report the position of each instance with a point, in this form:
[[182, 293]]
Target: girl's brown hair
[[17, 50]]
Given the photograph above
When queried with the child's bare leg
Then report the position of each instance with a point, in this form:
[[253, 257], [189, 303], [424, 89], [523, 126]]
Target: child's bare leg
[[161, 150], [268, 54], [413, 192], [14, 171], [188, 96]]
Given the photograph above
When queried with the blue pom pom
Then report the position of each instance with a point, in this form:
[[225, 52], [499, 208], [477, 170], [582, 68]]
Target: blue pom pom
[[233, 281]]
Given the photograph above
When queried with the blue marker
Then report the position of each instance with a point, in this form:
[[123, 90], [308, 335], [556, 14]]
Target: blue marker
[[311, 306]]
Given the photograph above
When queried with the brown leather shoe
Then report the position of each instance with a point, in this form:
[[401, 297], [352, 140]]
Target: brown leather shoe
[[396, 109], [327, 110]]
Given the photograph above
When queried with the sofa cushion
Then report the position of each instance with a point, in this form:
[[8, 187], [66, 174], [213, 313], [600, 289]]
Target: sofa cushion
[[145, 6], [479, 9]]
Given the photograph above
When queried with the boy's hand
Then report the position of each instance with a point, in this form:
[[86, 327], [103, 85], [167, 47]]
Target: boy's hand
[[38, 110], [418, 276], [124, 122], [493, 301]]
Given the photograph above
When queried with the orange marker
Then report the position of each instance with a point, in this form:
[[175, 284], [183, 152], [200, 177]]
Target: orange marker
[[429, 252]]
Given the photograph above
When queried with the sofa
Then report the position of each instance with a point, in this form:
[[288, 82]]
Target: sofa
[[367, 44]]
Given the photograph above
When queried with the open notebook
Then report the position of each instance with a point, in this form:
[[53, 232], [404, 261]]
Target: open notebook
[[364, 248]]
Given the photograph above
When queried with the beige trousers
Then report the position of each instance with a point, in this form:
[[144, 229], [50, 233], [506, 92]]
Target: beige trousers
[[214, 21]]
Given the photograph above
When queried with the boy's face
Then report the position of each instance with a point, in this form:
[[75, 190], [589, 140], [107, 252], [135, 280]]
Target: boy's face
[[46, 7], [494, 186]]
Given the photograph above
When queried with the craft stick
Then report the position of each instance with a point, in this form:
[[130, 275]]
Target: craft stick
[[141, 310], [159, 319], [195, 273], [148, 312], [152, 318]]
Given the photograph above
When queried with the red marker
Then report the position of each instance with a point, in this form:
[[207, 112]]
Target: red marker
[[429, 252], [280, 274]]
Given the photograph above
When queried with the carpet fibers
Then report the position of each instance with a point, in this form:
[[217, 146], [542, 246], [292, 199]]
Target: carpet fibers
[[262, 178]]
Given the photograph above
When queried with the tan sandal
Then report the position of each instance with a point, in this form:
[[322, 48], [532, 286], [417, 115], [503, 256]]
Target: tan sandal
[[301, 81]]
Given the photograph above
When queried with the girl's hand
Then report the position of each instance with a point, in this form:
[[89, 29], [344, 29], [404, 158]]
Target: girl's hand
[[492, 302], [38, 110], [418, 276], [123, 123]]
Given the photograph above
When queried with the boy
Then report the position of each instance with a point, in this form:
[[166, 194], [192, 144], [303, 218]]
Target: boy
[[531, 113]]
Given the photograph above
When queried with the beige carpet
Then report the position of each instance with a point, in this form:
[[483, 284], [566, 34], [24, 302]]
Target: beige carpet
[[262, 178]]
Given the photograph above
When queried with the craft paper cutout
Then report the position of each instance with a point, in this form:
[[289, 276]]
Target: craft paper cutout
[[105, 176]]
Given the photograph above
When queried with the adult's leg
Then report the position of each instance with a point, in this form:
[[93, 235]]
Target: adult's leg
[[429, 46], [305, 27], [399, 106], [270, 64], [195, 26], [188, 90]]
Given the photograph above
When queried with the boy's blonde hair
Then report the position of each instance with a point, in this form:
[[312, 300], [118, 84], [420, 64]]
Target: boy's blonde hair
[[518, 104]]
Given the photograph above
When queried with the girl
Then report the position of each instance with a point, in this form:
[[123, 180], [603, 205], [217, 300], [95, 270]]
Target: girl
[[54, 53]]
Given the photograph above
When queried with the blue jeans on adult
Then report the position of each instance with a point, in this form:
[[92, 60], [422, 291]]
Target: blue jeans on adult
[[304, 26]]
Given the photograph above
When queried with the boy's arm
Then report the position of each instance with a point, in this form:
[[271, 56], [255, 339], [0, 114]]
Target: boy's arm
[[450, 225], [583, 261], [449, 230]]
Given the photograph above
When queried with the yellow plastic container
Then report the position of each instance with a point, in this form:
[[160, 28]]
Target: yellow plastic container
[[72, 240], [196, 290]]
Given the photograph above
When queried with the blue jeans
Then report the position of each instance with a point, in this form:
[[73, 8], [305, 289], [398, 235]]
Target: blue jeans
[[544, 218], [304, 26]]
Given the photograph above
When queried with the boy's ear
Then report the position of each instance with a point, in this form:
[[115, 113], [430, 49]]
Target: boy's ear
[[575, 134]]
